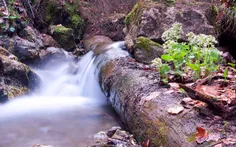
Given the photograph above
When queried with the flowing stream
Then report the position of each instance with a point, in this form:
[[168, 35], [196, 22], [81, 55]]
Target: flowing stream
[[68, 109]]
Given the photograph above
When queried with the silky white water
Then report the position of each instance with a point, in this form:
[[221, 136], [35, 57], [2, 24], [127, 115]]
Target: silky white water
[[66, 111]]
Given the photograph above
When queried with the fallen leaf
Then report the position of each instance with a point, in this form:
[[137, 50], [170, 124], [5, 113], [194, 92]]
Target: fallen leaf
[[202, 135], [175, 110], [208, 90]]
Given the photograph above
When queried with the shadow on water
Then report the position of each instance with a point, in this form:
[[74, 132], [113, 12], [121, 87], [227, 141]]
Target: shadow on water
[[66, 112]]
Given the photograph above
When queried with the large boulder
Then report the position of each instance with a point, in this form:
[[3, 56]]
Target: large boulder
[[151, 19], [22, 48], [16, 78], [32, 35], [52, 55]]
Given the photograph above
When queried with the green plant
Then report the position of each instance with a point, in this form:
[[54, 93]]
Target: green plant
[[164, 69], [198, 54], [226, 72]]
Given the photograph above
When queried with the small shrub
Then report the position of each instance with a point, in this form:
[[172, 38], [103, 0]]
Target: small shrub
[[198, 54]]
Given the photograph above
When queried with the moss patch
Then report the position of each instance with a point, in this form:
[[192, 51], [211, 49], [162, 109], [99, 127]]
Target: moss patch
[[61, 29], [13, 92], [133, 14], [145, 43], [192, 138]]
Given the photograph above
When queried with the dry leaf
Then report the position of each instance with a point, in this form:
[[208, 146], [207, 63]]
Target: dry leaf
[[208, 90], [175, 110], [202, 135]]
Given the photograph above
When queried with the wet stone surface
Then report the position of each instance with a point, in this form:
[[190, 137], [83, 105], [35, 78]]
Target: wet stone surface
[[114, 137]]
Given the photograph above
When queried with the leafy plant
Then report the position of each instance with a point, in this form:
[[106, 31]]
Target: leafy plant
[[164, 69], [198, 54], [226, 72]]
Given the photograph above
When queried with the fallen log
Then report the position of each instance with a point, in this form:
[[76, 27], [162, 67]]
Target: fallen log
[[142, 104]]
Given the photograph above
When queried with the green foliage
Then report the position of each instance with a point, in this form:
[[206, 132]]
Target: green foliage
[[164, 69], [61, 29], [226, 72], [198, 54]]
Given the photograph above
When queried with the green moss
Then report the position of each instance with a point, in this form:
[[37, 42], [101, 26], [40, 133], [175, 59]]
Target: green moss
[[161, 134], [13, 92], [70, 8], [191, 138], [77, 21], [134, 12], [61, 29], [145, 43]]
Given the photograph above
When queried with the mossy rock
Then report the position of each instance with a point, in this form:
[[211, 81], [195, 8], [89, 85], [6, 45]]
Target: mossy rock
[[68, 15], [64, 36], [145, 50]]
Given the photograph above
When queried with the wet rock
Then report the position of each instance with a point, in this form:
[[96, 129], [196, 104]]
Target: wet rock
[[101, 136], [16, 78], [32, 35], [22, 48], [146, 50], [94, 41], [78, 52], [48, 41], [151, 19], [115, 137], [64, 36], [53, 55]]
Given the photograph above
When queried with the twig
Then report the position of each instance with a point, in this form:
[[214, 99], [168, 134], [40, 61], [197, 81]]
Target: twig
[[31, 8]]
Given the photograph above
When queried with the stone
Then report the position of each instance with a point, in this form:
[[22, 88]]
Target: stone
[[16, 78], [52, 55], [101, 136], [117, 137], [150, 19], [32, 35], [22, 48], [64, 36], [48, 41], [94, 41], [146, 50]]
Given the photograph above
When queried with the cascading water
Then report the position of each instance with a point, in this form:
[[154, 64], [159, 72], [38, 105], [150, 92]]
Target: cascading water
[[68, 108]]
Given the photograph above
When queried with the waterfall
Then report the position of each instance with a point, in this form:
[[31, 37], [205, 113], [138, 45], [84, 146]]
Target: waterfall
[[69, 102]]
